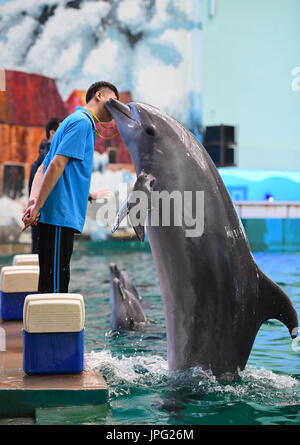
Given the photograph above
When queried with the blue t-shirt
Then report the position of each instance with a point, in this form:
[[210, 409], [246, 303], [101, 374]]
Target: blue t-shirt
[[66, 205]]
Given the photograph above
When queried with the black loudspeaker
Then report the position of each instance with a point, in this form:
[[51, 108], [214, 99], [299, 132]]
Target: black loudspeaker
[[13, 178], [218, 141], [215, 134], [215, 153]]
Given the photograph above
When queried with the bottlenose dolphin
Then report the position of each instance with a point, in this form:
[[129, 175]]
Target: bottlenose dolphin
[[215, 296], [127, 313], [126, 282]]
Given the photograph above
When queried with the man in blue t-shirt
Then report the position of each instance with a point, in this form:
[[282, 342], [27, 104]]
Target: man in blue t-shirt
[[60, 189]]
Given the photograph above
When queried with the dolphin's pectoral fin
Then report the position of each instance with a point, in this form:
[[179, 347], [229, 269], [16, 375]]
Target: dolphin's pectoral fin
[[137, 205], [122, 213], [274, 303], [139, 231], [140, 203], [137, 215]]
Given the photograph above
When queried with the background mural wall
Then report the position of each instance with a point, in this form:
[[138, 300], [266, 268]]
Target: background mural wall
[[53, 50]]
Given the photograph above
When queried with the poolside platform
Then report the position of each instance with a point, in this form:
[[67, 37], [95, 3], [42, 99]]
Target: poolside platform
[[268, 209], [21, 395]]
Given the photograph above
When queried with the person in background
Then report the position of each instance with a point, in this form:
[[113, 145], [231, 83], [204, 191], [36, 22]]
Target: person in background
[[60, 189], [51, 127]]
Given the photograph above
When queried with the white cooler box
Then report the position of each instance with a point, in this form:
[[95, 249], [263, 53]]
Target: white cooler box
[[16, 282], [53, 334]]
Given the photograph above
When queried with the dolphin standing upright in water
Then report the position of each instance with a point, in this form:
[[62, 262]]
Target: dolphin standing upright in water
[[215, 296]]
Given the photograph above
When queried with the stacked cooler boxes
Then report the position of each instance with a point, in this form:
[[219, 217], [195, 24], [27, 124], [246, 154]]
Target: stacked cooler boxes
[[53, 324]]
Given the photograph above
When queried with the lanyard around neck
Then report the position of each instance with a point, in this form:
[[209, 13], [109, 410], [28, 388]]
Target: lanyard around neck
[[96, 129]]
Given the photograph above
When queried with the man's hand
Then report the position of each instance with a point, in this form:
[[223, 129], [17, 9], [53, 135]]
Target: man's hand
[[31, 214], [31, 202], [100, 194]]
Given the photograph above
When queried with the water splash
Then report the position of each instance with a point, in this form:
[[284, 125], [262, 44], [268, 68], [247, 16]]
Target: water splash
[[125, 375]]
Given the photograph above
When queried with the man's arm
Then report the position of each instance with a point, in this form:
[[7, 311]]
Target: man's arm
[[36, 183], [42, 186], [35, 187], [50, 178]]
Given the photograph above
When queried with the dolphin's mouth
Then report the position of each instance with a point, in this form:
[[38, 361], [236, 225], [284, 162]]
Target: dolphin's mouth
[[114, 105]]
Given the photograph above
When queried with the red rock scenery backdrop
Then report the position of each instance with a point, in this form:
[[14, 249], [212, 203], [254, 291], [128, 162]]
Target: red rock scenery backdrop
[[25, 107]]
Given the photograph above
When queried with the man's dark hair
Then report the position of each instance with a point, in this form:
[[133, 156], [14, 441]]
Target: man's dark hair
[[52, 124], [100, 86]]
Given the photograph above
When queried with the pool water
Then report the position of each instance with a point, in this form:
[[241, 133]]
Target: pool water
[[134, 364]]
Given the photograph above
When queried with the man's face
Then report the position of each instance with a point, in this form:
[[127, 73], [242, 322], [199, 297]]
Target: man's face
[[103, 97]]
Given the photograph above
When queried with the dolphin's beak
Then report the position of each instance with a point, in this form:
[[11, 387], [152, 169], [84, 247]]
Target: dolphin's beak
[[127, 121], [115, 107], [114, 269]]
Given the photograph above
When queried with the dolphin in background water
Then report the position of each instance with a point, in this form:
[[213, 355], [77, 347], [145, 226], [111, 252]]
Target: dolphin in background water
[[127, 313], [215, 296], [126, 282]]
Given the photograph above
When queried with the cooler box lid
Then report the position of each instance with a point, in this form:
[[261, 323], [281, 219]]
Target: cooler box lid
[[19, 279], [26, 260], [59, 312]]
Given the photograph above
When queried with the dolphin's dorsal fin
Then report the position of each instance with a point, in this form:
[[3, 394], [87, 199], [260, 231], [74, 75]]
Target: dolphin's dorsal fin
[[274, 303]]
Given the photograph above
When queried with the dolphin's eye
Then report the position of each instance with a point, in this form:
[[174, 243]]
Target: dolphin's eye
[[150, 130]]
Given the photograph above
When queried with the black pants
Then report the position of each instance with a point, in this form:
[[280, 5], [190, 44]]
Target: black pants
[[34, 238], [55, 245]]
